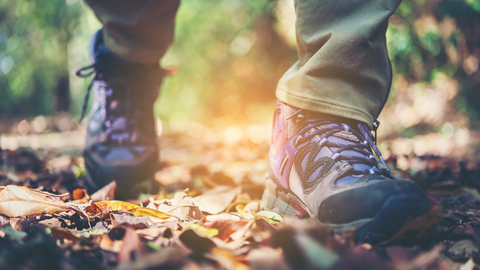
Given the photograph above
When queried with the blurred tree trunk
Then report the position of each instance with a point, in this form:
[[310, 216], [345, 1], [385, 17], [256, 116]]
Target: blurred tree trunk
[[62, 94]]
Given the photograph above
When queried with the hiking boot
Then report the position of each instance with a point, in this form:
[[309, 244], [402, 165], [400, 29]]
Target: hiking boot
[[331, 169], [121, 142]]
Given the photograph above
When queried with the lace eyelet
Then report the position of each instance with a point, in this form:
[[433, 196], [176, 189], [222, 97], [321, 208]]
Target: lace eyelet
[[299, 118]]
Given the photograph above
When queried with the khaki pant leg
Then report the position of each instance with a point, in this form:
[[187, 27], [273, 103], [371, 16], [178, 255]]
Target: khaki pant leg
[[343, 67], [137, 30]]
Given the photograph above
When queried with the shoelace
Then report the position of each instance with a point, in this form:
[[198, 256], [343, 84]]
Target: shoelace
[[82, 74], [329, 127], [134, 105], [103, 71], [100, 73]]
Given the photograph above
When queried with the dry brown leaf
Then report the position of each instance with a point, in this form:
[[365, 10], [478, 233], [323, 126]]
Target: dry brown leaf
[[228, 227], [132, 247], [51, 222], [18, 201], [252, 206], [180, 206], [106, 193], [245, 214], [183, 212], [216, 200], [223, 216], [151, 233], [131, 220], [61, 233], [14, 221], [4, 220], [59, 197]]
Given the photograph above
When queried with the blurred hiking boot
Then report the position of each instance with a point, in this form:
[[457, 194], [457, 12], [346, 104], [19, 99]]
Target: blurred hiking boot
[[331, 169], [121, 140]]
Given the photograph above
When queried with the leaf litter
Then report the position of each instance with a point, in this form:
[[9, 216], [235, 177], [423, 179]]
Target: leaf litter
[[207, 216]]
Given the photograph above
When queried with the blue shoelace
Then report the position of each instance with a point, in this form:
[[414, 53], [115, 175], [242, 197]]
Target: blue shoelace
[[329, 127]]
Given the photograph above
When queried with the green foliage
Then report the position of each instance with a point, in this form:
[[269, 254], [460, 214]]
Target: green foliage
[[33, 53], [426, 38]]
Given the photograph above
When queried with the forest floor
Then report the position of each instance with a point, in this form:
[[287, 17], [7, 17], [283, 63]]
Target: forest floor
[[207, 215]]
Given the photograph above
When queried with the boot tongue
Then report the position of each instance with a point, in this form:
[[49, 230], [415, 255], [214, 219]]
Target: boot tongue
[[298, 116]]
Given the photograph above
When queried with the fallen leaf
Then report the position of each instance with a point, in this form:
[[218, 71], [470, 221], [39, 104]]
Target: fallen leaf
[[80, 196], [92, 232], [462, 250], [463, 230], [195, 242], [216, 200], [51, 222], [182, 212], [18, 201], [106, 193], [147, 212], [252, 206], [132, 248], [271, 217], [115, 205], [150, 233], [79, 193], [240, 232], [226, 227], [135, 221], [108, 244], [4, 220], [228, 260], [93, 209], [180, 206], [245, 214], [223, 216], [200, 230], [232, 207], [469, 265], [61, 233], [426, 259]]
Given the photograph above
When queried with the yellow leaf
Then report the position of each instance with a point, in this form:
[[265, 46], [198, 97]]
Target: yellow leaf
[[115, 205], [241, 210], [132, 209], [147, 212], [200, 230], [270, 216], [18, 201]]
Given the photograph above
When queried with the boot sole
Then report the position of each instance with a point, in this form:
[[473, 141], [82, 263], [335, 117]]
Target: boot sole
[[375, 230]]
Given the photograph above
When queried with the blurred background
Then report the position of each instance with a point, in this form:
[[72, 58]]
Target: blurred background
[[229, 55]]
